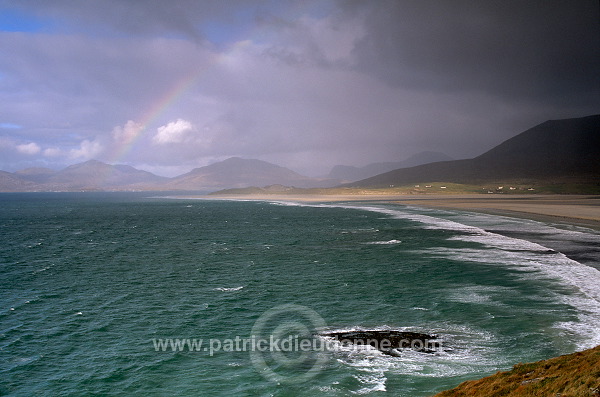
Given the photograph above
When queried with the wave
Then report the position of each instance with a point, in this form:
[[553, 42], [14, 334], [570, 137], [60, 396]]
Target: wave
[[466, 350], [384, 242], [525, 255], [224, 289], [584, 277], [530, 257]]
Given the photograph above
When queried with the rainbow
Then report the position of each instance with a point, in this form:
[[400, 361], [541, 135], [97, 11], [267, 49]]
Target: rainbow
[[180, 87], [158, 108]]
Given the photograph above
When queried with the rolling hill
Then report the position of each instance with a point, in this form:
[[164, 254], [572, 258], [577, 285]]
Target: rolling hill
[[90, 175], [10, 182], [36, 174], [349, 173], [236, 172], [554, 151], [96, 174]]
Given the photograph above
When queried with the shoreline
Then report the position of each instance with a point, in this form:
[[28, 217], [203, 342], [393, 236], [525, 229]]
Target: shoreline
[[556, 375], [578, 210]]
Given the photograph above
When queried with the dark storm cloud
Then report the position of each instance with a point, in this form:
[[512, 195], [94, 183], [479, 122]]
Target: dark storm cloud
[[307, 84], [532, 50]]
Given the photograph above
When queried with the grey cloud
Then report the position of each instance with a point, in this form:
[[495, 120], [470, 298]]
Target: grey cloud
[[360, 82], [535, 50], [66, 81]]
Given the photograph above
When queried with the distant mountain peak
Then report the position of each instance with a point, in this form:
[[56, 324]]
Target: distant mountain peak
[[91, 162], [88, 175], [554, 151], [237, 172], [350, 173]]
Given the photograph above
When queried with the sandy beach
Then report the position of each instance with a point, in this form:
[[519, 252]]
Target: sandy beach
[[573, 209]]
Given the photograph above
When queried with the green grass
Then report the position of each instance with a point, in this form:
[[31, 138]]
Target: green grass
[[573, 375], [430, 188]]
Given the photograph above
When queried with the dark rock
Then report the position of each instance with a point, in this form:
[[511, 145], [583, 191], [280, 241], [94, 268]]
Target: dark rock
[[388, 341]]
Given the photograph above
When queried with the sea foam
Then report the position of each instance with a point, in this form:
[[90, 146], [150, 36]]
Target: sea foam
[[522, 254], [231, 289], [525, 255]]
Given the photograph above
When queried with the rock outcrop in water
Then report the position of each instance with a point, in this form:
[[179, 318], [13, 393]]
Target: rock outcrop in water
[[388, 341]]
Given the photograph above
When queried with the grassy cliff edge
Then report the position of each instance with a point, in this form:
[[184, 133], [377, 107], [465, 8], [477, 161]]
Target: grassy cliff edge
[[571, 375]]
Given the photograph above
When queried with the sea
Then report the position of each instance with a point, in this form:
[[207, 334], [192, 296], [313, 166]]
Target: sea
[[149, 294]]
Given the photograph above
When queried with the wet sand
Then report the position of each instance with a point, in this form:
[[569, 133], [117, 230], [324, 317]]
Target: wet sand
[[579, 210]]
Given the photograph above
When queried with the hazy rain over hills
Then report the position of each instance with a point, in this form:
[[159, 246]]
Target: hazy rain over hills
[[168, 87]]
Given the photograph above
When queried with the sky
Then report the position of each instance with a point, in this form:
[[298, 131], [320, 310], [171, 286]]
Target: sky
[[168, 86]]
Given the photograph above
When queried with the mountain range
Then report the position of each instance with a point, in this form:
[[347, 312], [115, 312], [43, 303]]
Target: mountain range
[[236, 172], [556, 151], [348, 173], [92, 175]]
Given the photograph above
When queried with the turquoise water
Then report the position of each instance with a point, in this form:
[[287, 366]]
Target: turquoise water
[[91, 282]]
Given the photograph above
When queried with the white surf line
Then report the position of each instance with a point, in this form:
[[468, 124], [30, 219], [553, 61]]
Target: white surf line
[[558, 266]]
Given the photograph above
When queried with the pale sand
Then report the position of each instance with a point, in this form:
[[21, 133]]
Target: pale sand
[[580, 210], [573, 209]]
